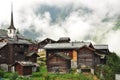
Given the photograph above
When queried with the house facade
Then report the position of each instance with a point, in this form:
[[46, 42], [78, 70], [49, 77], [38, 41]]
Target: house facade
[[58, 63], [23, 68], [84, 56], [87, 59]]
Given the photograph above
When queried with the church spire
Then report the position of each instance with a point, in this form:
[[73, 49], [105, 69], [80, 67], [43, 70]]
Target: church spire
[[12, 22], [11, 28]]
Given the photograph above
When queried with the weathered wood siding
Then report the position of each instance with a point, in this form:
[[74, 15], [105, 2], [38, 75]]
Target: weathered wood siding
[[59, 63], [68, 52], [13, 52], [4, 52], [19, 69], [20, 52], [23, 70], [85, 57], [27, 70]]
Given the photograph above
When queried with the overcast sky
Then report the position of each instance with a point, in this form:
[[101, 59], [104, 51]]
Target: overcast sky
[[81, 20]]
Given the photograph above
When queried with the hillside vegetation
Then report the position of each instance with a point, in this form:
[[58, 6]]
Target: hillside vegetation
[[112, 67]]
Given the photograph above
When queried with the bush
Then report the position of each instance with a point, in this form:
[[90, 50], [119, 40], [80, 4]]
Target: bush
[[110, 69], [7, 74], [13, 76], [1, 73], [23, 78]]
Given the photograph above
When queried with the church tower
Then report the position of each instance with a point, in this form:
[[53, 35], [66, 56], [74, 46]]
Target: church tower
[[11, 28]]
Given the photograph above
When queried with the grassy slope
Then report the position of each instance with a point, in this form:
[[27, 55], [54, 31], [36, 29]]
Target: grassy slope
[[43, 75]]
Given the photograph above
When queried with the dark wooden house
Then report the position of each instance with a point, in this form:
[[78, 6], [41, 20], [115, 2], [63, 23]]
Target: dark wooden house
[[83, 55], [23, 68], [58, 63], [13, 51], [13, 47], [68, 49], [87, 59]]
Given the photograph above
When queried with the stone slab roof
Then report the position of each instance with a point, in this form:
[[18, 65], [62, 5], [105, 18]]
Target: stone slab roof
[[24, 63], [19, 41], [101, 46], [71, 45], [2, 44]]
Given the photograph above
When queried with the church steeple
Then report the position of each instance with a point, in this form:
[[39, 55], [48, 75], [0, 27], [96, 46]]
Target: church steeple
[[12, 22], [11, 28]]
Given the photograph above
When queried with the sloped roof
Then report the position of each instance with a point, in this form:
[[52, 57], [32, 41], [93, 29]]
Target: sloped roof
[[2, 44], [64, 39], [101, 46], [32, 53], [24, 63], [47, 40], [20, 39], [71, 45], [12, 27]]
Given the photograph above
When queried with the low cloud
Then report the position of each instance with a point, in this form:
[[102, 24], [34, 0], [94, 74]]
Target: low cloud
[[89, 20]]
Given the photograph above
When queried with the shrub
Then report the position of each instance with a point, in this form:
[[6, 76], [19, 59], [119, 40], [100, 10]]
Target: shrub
[[7, 74], [13, 76], [1, 73], [23, 78]]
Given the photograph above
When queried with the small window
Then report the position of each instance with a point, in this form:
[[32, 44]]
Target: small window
[[21, 46], [10, 31], [67, 54]]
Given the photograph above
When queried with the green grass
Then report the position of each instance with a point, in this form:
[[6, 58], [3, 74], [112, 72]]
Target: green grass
[[44, 75]]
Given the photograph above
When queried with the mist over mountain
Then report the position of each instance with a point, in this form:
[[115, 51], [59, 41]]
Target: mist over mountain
[[88, 20]]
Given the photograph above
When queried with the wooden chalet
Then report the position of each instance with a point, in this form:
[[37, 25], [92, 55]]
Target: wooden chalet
[[69, 49], [87, 59], [23, 68], [58, 63], [83, 55], [13, 50]]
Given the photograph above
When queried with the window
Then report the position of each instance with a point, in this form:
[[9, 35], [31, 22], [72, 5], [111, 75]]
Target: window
[[21, 46], [66, 53], [10, 31]]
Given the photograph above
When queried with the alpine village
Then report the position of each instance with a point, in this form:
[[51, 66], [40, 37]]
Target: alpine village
[[64, 59]]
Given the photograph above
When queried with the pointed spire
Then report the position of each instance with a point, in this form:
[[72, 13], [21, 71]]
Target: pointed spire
[[12, 22]]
